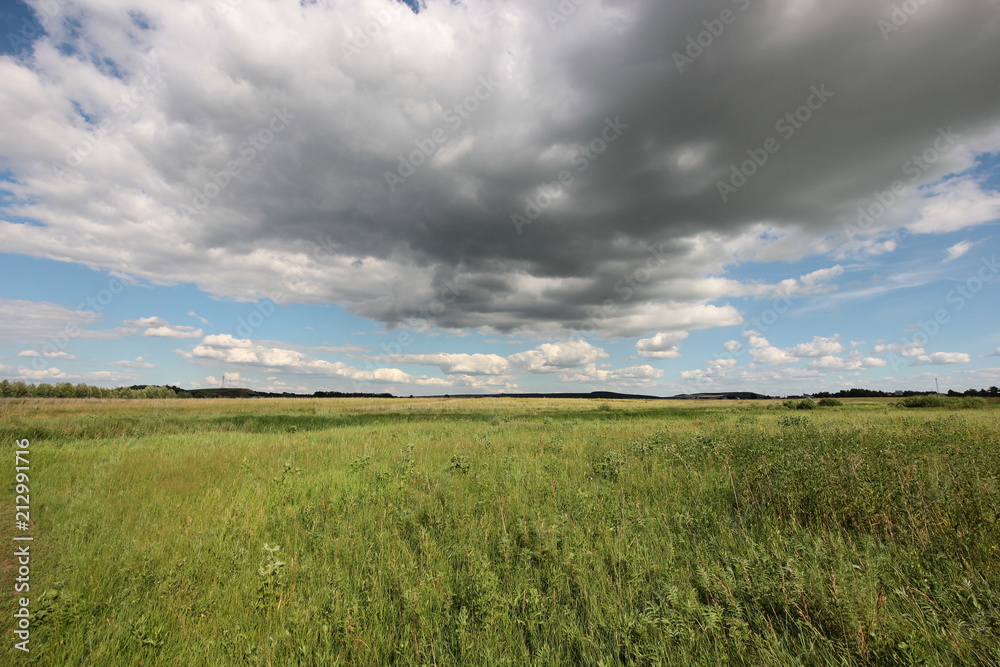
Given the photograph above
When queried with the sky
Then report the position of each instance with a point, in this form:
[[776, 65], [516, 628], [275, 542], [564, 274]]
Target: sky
[[483, 196]]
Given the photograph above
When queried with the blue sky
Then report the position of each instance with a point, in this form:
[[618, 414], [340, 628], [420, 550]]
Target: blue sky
[[500, 196]]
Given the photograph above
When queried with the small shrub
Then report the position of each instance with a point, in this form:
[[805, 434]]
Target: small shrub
[[460, 464], [829, 403], [803, 404], [793, 420], [362, 462], [642, 449], [609, 466]]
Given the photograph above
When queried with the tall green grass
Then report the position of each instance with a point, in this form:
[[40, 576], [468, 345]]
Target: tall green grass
[[511, 532]]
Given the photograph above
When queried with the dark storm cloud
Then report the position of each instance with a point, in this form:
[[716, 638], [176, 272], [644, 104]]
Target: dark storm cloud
[[393, 186]]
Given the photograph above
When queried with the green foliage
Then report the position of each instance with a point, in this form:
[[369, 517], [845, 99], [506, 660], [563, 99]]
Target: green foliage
[[927, 401], [460, 464], [830, 402], [793, 420], [938, 401], [67, 390], [801, 404], [510, 532], [609, 466]]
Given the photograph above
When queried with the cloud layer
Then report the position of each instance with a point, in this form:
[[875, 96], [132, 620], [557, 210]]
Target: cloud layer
[[482, 164]]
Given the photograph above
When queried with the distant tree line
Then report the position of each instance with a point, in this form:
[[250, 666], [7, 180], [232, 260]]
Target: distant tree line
[[992, 391], [21, 389], [874, 393]]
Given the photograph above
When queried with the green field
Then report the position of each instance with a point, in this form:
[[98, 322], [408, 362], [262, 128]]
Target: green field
[[505, 532]]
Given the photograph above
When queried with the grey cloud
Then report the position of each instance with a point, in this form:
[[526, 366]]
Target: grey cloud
[[320, 181]]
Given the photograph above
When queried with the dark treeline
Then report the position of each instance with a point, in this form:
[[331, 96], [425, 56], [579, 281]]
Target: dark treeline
[[874, 393], [21, 389]]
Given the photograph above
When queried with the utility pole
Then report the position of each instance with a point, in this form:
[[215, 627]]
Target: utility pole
[[937, 386]]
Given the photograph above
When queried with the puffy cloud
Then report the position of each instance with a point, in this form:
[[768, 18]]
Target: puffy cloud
[[558, 357], [819, 347], [941, 358], [157, 327], [224, 348], [755, 339], [828, 362], [451, 364], [911, 349], [771, 356], [633, 376], [661, 346], [957, 204]]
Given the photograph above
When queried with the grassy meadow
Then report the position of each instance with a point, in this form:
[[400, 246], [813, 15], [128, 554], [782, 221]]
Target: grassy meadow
[[506, 532]]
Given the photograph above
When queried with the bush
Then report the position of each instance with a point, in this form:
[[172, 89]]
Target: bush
[[925, 401], [970, 403], [803, 404], [609, 466], [829, 403], [938, 401], [793, 420]]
